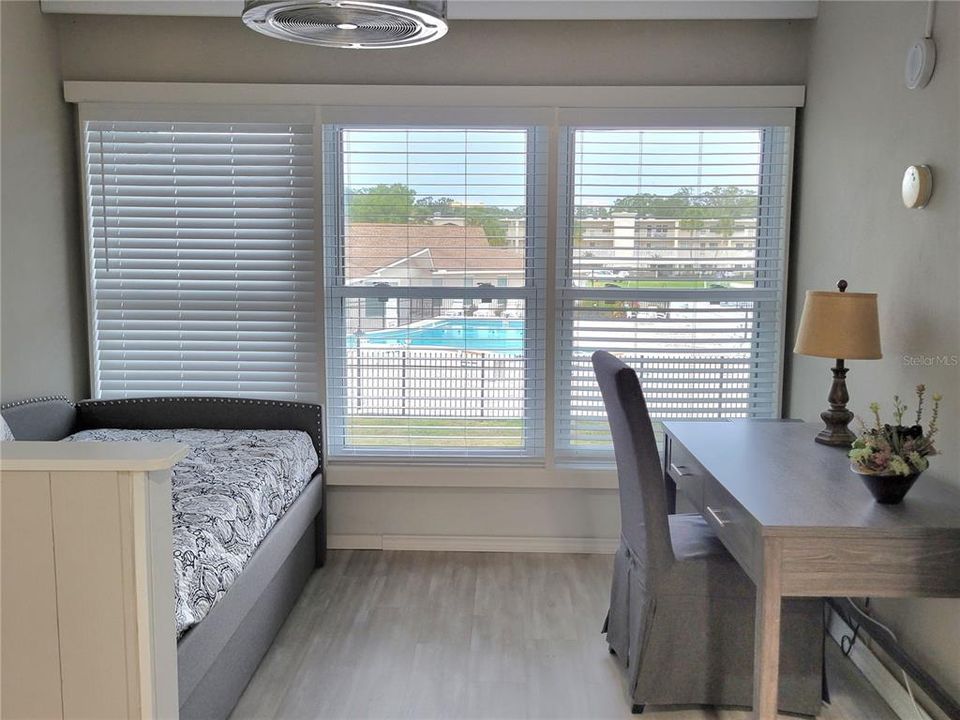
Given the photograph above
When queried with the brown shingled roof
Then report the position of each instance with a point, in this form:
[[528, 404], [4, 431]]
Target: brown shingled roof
[[371, 246]]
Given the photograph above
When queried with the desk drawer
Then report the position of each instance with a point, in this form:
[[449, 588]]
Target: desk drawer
[[687, 473], [736, 528]]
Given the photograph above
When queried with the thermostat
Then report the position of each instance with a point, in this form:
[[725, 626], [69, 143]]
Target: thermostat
[[921, 59], [917, 186]]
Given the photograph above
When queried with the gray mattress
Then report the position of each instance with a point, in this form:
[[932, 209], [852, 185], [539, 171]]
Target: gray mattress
[[228, 493]]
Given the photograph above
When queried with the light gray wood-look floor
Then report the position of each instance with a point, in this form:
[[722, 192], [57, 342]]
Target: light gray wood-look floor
[[420, 635]]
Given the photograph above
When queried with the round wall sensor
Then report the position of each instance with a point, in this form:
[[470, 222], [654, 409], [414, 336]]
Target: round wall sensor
[[921, 59], [917, 186]]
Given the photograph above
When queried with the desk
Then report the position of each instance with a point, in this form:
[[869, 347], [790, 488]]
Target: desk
[[800, 523]]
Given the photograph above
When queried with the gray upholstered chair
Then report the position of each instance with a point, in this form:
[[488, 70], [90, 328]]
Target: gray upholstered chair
[[681, 619]]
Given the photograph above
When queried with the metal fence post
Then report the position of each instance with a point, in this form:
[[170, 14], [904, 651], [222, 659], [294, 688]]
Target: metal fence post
[[723, 366], [403, 382], [483, 382]]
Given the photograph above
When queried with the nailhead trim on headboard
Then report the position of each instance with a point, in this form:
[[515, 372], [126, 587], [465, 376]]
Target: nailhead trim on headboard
[[30, 401], [229, 400]]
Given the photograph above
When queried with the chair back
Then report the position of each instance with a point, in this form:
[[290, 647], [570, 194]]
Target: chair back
[[643, 503]]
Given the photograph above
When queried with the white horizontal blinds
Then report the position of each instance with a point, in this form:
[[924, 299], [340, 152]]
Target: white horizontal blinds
[[451, 199], [435, 256], [674, 261], [201, 243]]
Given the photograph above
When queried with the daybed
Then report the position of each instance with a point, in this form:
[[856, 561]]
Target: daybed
[[217, 656]]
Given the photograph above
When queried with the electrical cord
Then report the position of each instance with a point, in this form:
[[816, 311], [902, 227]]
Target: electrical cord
[[848, 641], [931, 14], [906, 679]]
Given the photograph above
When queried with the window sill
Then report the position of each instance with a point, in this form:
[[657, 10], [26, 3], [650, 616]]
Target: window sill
[[480, 476]]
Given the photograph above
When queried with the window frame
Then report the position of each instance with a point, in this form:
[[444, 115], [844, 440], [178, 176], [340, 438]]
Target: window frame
[[532, 292], [782, 130], [548, 106]]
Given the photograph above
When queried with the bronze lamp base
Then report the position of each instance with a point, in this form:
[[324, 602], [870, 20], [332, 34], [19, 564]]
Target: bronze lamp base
[[837, 417]]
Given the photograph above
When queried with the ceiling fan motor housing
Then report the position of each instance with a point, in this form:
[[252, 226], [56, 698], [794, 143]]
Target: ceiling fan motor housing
[[348, 23]]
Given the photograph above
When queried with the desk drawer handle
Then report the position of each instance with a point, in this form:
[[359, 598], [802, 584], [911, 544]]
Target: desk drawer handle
[[713, 513], [679, 470]]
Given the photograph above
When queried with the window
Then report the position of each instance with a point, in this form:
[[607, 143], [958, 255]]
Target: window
[[658, 230], [453, 220], [391, 261], [200, 244], [700, 321]]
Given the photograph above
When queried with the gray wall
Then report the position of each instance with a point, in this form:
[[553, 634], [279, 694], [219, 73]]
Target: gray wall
[[43, 347], [474, 52], [861, 128]]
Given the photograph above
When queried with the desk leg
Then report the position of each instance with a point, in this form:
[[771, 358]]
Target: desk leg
[[766, 653]]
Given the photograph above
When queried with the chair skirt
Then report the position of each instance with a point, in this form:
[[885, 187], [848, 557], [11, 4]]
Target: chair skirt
[[689, 644]]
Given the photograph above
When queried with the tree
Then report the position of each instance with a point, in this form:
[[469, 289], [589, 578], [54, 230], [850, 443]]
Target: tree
[[719, 209], [381, 204], [398, 203], [657, 206], [427, 207], [591, 211], [489, 219]]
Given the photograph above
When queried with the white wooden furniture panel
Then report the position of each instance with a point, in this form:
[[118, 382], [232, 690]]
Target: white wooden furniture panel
[[87, 577]]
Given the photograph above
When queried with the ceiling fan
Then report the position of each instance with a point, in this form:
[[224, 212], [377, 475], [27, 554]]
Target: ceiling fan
[[348, 23]]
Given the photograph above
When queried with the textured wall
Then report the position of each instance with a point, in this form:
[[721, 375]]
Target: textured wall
[[43, 346], [861, 128]]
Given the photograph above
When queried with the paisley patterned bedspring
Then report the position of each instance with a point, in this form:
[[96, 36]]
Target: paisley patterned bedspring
[[228, 492]]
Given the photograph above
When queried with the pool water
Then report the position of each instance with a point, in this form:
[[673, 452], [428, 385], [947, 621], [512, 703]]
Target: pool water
[[494, 335]]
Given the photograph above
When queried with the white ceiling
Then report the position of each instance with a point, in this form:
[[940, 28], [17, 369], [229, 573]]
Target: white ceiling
[[490, 9]]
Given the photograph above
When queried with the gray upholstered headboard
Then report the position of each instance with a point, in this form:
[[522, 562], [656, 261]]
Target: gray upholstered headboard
[[53, 418], [225, 413], [43, 418]]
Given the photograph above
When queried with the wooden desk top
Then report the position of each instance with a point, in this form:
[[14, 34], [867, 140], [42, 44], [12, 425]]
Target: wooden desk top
[[788, 482]]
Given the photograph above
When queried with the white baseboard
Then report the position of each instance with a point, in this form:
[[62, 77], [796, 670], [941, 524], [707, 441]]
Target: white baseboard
[[474, 543], [890, 688], [355, 542]]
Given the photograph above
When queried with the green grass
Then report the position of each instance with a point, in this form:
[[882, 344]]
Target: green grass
[[433, 432], [458, 432]]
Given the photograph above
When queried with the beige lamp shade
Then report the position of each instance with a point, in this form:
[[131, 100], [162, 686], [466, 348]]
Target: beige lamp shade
[[839, 325]]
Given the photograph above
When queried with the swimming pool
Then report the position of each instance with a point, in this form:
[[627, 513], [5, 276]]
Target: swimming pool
[[494, 335]]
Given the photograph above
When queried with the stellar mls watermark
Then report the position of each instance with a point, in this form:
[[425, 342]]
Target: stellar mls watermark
[[931, 360]]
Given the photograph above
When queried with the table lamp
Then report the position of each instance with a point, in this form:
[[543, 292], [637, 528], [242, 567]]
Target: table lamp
[[843, 326]]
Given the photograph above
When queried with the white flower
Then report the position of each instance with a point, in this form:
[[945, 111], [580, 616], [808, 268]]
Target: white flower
[[899, 466], [919, 461]]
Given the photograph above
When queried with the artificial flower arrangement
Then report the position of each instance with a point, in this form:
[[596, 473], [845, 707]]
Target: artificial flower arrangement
[[896, 449]]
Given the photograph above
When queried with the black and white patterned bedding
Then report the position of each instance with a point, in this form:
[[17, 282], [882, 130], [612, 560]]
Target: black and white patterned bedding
[[228, 492]]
